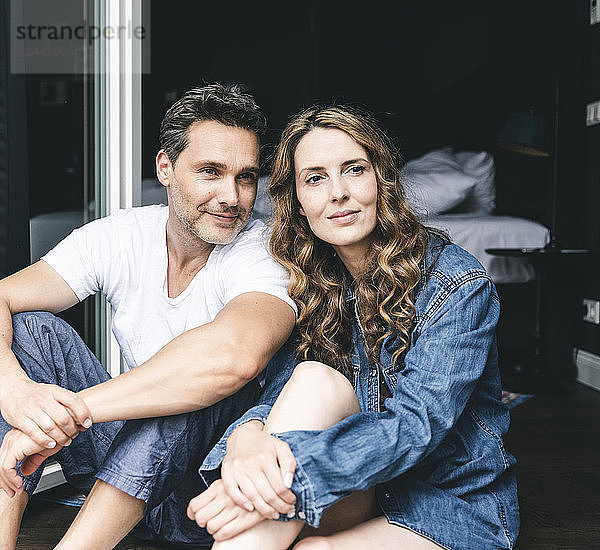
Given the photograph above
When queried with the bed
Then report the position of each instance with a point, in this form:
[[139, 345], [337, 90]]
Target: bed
[[455, 192], [475, 233]]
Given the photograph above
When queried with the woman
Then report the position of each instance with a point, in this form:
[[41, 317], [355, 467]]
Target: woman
[[389, 425]]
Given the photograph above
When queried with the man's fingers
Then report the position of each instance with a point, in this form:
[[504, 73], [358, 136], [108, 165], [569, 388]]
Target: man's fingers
[[9, 492], [30, 428], [62, 418], [31, 463], [76, 405], [10, 481], [52, 430]]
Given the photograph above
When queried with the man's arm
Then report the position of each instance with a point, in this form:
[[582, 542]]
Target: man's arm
[[201, 366], [42, 411]]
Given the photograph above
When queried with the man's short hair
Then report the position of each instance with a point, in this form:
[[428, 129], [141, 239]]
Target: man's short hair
[[225, 104]]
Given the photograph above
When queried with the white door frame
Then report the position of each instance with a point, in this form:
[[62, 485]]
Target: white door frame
[[118, 123]]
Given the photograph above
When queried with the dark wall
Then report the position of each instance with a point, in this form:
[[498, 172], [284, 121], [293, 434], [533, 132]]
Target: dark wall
[[435, 73], [589, 207]]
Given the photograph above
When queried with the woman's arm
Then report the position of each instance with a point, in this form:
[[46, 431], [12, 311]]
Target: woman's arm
[[440, 373]]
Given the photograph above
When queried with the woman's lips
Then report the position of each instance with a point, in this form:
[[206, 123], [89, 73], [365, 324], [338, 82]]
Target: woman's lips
[[345, 216]]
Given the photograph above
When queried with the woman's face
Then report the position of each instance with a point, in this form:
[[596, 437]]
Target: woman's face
[[337, 189]]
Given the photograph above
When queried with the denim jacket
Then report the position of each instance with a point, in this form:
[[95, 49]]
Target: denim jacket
[[442, 427]]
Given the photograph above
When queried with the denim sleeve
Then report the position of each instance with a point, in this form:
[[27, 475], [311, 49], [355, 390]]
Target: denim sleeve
[[441, 370], [277, 373]]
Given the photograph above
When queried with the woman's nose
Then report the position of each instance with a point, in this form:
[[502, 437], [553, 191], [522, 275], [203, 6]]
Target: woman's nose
[[339, 190]]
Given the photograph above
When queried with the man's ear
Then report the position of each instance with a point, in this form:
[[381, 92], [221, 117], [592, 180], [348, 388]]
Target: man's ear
[[164, 168]]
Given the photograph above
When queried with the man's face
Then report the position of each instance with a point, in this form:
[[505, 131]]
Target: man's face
[[212, 185]]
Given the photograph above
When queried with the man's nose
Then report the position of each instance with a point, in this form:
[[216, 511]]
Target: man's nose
[[228, 192]]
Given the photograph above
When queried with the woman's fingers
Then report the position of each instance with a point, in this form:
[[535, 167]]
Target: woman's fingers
[[232, 489], [242, 522], [203, 514], [287, 467], [221, 519], [263, 496], [257, 479], [219, 514]]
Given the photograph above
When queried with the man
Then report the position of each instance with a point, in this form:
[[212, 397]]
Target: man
[[199, 307]]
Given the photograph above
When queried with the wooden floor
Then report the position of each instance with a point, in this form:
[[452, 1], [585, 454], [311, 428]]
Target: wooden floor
[[556, 440]]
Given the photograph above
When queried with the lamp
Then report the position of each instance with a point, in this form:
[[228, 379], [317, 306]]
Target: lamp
[[524, 133]]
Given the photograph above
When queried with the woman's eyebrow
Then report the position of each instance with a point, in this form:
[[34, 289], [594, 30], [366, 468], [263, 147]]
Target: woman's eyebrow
[[353, 161], [309, 168], [344, 164]]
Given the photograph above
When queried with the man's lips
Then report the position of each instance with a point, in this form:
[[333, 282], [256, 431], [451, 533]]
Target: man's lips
[[222, 215]]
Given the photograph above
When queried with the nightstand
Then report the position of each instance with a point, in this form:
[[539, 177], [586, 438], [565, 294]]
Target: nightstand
[[549, 364]]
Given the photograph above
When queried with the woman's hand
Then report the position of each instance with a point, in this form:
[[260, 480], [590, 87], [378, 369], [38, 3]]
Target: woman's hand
[[219, 514], [258, 471]]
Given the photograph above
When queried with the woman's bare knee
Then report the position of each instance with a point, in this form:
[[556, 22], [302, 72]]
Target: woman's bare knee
[[313, 543], [322, 378], [314, 398]]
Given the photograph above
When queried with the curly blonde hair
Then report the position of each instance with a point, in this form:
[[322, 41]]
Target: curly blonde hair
[[384, 292]]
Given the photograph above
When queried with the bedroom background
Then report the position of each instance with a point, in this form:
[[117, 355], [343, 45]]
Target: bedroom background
[[436, 74]]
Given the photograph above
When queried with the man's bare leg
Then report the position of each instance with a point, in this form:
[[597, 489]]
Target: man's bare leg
[[106, 517], [11, 513]]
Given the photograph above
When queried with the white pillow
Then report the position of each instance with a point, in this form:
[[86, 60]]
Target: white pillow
[[436, 182], [482, 199]]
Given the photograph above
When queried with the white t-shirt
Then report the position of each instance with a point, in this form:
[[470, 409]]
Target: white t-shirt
[[125, 256]]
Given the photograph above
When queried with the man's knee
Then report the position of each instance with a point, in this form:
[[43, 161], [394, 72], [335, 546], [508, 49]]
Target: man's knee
[[30, 324]]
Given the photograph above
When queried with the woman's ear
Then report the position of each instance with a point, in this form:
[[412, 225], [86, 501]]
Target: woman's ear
[[302, 213]]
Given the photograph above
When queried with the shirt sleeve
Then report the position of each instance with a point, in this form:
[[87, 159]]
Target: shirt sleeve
[[249, 267], [440, 373], [85, 257]]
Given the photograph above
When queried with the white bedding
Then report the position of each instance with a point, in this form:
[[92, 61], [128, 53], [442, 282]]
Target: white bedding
[[475, 233]]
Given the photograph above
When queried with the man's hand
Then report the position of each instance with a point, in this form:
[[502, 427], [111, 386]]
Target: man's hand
[[19, 446], [219, 514], [48, 414], [258, 470]]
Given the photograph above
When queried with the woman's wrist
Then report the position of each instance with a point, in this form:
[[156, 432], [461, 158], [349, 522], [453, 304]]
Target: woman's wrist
[[254, 424]]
